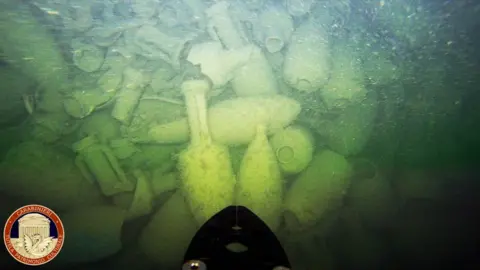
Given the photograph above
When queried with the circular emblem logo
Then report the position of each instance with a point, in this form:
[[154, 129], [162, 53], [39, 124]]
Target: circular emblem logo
[[34, 235]]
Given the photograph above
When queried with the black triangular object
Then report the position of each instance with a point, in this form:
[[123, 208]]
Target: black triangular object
[[236, 225]]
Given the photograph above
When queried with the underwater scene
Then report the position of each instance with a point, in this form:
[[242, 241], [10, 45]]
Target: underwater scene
[[351, 128]]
